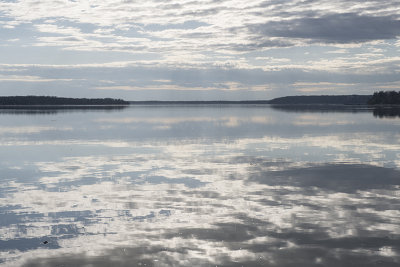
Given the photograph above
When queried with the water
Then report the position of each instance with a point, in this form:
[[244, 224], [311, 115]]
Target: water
[[199, 186]]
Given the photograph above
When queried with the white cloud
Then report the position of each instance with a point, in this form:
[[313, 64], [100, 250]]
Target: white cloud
[[21, 78]]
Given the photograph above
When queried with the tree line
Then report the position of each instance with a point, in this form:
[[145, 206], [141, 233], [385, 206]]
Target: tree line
[[385, 98], [52, 100]]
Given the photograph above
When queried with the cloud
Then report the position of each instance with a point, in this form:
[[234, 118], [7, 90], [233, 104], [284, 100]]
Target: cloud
[[29, 79], [151, 81], [205, 45], [222, 24], [333, 28], [231, 86]]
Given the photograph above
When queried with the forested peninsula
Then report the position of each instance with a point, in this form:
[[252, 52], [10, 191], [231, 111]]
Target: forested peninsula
[[378, 98], [52, 100], [322, 99]]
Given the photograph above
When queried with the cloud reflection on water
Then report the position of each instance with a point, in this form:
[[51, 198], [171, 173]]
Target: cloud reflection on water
[[311, 200]]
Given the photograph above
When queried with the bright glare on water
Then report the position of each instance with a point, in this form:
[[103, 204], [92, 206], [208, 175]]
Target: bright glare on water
[[199, 186]]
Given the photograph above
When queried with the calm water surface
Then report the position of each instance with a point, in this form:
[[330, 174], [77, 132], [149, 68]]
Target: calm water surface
[[199, 186]]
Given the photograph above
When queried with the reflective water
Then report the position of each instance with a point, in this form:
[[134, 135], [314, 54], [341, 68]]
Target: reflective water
[[199, 186]]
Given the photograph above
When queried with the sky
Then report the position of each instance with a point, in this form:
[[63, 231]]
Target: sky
[[198, 50]]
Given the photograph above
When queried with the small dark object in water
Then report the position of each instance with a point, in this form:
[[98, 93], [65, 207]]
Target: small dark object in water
[[45, 242]]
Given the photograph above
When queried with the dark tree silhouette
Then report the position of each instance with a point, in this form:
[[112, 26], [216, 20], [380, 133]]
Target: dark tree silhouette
[[52, 100], [385, 98]]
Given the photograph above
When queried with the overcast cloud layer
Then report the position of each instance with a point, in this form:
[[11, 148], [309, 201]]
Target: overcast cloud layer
[[190, 50]]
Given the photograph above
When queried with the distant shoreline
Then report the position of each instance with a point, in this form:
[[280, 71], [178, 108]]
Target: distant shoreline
[[64, 102]]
